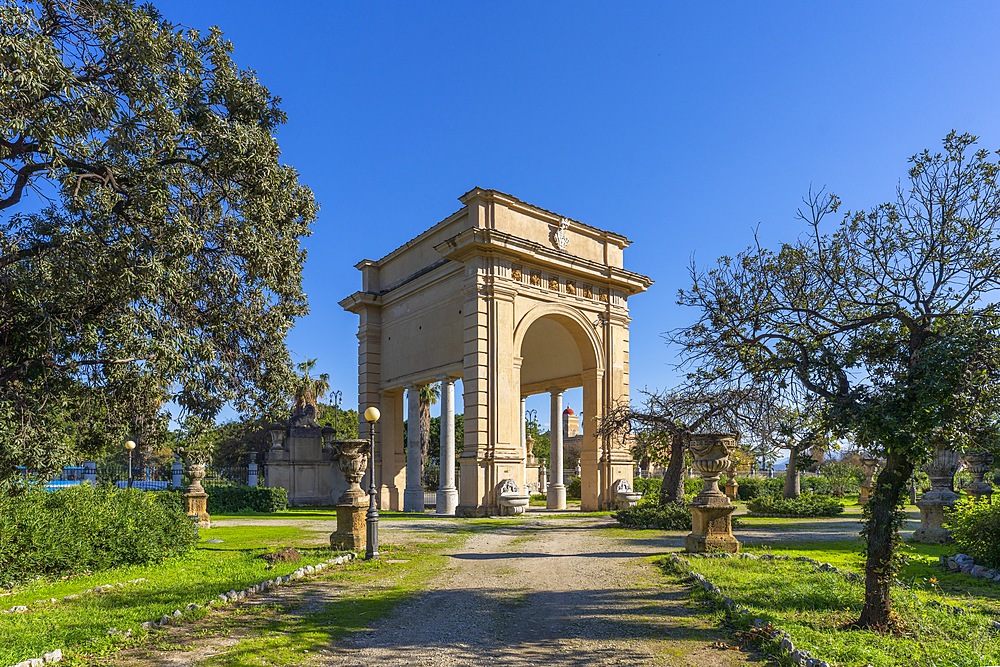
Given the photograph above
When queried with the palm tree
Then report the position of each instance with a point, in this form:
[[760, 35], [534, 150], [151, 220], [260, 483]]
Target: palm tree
[[428, 396], [308, 390]]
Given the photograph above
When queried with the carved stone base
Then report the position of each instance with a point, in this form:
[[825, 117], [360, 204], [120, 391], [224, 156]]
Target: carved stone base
[[350, 534], [196, 507], [865, 494], [932, 505], [732, 488], [712, 529], [981, 490]]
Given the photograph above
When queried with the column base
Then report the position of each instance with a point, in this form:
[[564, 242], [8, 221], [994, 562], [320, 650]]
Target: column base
[[413, 500], [712, 529], [932, 506], [351, 528], [556, 497], [447, 501]]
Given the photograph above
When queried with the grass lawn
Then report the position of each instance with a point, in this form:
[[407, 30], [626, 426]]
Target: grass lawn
[[83, 623], [815, 606]]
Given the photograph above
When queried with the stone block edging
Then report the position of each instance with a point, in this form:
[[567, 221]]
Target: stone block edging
[[781, 638], [222, 599], [966, 565]]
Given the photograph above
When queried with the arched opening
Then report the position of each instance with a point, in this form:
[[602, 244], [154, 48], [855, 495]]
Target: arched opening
[[559, 350]]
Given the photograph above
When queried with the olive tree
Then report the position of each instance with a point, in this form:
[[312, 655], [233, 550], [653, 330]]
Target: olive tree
[[151, 237], [886, 316]]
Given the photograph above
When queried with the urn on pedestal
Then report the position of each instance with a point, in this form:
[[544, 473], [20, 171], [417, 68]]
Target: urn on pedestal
[[711, 510], [932, 504], [868, 466], [352, 458], [196, 498], [979, 464]]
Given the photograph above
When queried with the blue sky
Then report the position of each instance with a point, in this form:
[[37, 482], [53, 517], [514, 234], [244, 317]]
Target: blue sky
[[681, 126]]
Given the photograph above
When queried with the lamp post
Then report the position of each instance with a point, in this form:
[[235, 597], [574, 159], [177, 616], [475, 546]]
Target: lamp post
[[371, 547], [336, 396], [129, 446]]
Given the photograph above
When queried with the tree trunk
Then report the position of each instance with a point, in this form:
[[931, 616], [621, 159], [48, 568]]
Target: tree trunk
[[425, 435], [672, 488], [792, 481], [882, 535]]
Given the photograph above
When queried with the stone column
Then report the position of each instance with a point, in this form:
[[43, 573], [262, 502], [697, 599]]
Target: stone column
[[252, 470], [932, 504], [524, 443], [556, 498], [711, 510], [447, 495], [413, 494], [196, 499]]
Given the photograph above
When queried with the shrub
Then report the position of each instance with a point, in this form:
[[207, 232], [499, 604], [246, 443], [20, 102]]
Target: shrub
[[808, 504], [648, 487], [647, 515], [844, 478], [975, 528], [88, 528], [237, 498], [693, 485], [573, 488], [818, 485], [755, 487]]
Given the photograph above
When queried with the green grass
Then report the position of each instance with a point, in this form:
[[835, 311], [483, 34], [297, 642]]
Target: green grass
[[814, 607], [198, 577]]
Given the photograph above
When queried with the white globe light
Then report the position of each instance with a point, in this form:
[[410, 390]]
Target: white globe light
[[372, 414]]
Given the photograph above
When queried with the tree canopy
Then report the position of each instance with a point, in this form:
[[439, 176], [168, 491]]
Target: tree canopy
[[150, 245], [888, 318]]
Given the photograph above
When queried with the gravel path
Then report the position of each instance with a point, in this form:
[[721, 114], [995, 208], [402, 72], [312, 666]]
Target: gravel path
[[547, 592]]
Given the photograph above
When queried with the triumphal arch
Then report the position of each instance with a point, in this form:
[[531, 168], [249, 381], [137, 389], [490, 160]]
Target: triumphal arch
[[513, 300]]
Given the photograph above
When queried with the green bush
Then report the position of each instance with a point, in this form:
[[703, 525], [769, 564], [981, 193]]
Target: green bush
[[808, 504], [844, 478], [88, 528], [237, 498], [818, 485], [975, 528], [755, 487], [693, 485], [648, 487], [573, 488], [648, 515]]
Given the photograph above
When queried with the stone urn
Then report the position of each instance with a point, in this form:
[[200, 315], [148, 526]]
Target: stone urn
[[195, 498], [529, 446], [711, 510], [512, 501], [941, 469], [625, 495], [979, 464], [352, 458], [868, 466], [732, 488]]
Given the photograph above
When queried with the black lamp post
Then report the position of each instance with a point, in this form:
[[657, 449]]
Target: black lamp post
[[129, 446], [371, 549], [336, 396]]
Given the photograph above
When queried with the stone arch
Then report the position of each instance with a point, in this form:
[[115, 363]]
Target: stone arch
[[576, 324]]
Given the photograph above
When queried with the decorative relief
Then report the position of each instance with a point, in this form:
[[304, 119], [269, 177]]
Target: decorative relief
[[559, 236], [516, 274], [554, 283], [602, 296], [588, 292], [536, 278], [570, 287]]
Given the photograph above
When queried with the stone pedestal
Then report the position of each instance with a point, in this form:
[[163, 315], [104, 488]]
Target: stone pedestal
[[868, 466], [352, 459], [196, 499], [711, 510], [932, 504], [979, 464]]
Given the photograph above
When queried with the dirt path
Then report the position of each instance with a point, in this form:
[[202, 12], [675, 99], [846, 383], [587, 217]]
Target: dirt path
[[549, 592]]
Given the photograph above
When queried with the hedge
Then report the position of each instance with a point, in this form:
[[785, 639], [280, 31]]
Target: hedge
[[755, 487], [664, 517], [806, 505], [975, 528], [70, 530], [238, 498]]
